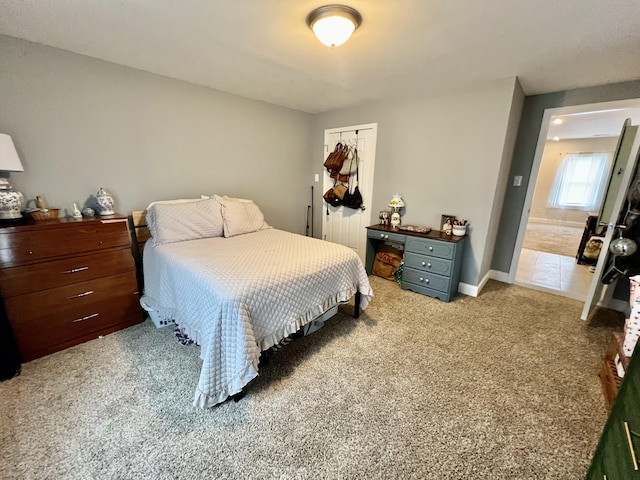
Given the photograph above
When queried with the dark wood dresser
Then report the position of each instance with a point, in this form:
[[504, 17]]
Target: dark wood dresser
[[66, 281]]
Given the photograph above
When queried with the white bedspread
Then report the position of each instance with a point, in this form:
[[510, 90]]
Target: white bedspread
[[240, 295]]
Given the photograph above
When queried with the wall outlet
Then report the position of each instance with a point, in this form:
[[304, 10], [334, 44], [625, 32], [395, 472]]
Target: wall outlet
[[316, 177], [517, 181]]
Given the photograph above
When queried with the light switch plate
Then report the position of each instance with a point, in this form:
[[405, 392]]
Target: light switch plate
[[517, 181]]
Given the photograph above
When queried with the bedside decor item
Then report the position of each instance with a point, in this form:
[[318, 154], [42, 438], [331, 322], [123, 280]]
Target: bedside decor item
[[414, 228], [459, 227], [43, 213], [385, 217], [11, 201], [88, 212], [396, 204], [446, 223], [76, 212], [105, 202]]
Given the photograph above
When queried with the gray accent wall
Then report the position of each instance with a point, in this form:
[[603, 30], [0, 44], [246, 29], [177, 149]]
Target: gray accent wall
[[80, 124], [446, 154], [522, 162]]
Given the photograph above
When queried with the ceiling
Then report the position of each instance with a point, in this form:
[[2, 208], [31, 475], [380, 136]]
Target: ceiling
[[262, 49], [605, 122]]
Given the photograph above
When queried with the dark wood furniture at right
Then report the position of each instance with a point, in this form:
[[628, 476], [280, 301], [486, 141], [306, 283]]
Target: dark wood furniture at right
[[616, 456], [590, 229]]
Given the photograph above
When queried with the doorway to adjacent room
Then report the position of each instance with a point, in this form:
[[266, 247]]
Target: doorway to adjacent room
[[549, 258]]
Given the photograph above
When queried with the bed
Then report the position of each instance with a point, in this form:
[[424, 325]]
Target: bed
[[237, 287]]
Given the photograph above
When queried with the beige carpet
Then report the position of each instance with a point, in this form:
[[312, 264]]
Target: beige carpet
[[558, 239], [503, 386]]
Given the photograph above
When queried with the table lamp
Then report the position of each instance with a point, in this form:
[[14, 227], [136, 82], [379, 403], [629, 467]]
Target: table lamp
[[11, 201], [396, 203]]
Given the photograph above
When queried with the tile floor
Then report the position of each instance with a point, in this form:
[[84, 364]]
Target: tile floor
[[554, 274]]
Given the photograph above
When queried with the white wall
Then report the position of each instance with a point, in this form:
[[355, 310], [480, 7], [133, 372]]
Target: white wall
[[445, 154], [80, 124], [549, 165]]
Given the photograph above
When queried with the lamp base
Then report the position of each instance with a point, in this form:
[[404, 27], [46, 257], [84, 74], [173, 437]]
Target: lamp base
[[11, 203]]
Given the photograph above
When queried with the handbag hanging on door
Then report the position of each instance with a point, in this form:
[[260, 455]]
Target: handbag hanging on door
[[350, 165], [354, 200], [335, 160]]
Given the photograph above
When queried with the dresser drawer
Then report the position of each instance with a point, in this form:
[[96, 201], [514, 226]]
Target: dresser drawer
[[428, 264], [36, 245], [426, 279], [386, 236], [43, 319], [42, 276], [433, 248]]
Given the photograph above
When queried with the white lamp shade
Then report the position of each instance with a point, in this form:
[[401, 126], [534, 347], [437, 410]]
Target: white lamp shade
[[9, 160], [334, 30]]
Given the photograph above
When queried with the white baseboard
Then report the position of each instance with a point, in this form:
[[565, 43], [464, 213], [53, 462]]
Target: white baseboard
[[499, 276], [550, 221], [474, 290]]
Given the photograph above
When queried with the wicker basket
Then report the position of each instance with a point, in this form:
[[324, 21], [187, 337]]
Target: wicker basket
[[44, 214]]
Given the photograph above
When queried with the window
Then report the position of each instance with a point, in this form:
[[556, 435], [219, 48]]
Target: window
[[580, 181]]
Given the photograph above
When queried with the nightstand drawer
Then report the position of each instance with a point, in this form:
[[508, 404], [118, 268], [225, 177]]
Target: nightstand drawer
[[433, 248], [428, 264], [426, 279], [386, 236], [42, 276]]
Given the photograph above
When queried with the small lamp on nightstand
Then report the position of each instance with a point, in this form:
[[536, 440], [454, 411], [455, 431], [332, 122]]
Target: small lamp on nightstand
[[396, 203], [11, 201]]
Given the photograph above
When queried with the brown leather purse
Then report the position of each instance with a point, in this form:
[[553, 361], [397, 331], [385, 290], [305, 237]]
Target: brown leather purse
[[336, 159]]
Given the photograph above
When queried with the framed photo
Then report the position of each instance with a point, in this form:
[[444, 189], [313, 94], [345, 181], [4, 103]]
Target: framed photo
[[446, 223], [384, 217]]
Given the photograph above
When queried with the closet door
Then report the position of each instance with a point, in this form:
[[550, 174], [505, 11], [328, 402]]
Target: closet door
[[342, 225]]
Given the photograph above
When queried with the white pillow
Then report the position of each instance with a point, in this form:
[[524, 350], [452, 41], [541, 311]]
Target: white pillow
[[241, 216], [177, 222], [151, 219]]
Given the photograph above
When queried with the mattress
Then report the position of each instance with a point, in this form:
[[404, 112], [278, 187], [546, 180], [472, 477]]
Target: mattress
[[240, 295]]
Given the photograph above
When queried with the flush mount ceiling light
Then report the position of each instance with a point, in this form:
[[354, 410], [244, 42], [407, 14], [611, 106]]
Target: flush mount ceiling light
[[334, 24]]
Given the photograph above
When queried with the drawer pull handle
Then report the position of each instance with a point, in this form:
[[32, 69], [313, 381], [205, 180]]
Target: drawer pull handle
[[83, 294], [382, 235], [424, 264], [431, 249], [421, 279], [426, 281], [386, 237], [633, 452], [76, 270], [88, 317]]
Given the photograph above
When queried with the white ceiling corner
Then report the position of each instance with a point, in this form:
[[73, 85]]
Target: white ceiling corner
[[264, 50]]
